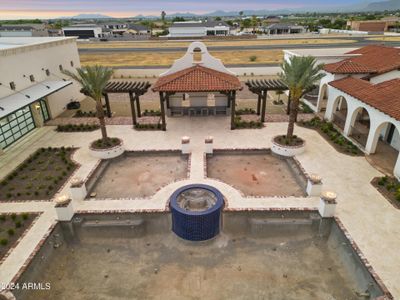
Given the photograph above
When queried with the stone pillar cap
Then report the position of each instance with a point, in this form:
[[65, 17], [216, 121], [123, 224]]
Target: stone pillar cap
[[76, 182], [329, 197], [315, 178], [209, 139], [62, 200], [185, 140]]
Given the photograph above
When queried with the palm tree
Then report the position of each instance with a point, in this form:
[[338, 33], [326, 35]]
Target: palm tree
[[300, 73], [93, 80]]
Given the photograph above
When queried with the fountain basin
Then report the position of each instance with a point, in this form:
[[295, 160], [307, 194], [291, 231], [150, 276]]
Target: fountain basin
[[196, 212]]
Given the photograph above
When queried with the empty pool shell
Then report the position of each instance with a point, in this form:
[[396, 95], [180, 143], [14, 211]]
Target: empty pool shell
[[195, 225]]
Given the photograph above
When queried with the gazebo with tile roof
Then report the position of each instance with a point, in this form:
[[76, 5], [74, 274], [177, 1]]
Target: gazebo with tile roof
[[197, 74]]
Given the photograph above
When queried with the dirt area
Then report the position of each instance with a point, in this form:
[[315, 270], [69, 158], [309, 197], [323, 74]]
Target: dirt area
[[127, 59], [40, 176], [12, 226], [161, 266], [172, 44], [141, 175], [255, 174]]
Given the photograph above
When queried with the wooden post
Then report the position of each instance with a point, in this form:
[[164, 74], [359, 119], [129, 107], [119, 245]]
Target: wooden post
[[167, 99], [232, 100], [163, 124], [107, 105], [132, 100], [288, 105], [139, 113], [258, 104], [264, 106]]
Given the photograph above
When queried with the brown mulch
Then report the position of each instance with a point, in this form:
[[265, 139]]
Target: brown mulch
[[389, 195], [10, 224]]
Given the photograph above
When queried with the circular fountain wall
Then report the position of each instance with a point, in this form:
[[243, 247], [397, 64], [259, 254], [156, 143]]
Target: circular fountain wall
[[196, 212]]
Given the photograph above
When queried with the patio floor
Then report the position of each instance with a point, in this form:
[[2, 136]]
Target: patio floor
[[372, 221]]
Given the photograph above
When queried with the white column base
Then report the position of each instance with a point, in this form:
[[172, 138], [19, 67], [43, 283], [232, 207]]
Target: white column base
[[327, 205], [314, 185], [78, 193], [209, 145], [64, 210], [185, 146]]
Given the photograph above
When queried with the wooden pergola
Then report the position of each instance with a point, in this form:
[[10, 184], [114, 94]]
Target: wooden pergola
[[135, 89], [261, 88], [197, 79]]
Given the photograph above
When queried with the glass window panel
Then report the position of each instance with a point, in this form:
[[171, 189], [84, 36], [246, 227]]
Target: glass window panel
[[13, 123], [10, 140], [24, 130], [17, 135], [31, 126], [15, 129], [7, 133]]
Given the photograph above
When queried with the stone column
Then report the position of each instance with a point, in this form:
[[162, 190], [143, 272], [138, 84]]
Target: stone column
[[185, 145], [327, 204], [314, 185], [209, 144], [64, 209], [78, 189]]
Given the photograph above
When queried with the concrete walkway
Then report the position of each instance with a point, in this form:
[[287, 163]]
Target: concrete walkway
[[371, 220]]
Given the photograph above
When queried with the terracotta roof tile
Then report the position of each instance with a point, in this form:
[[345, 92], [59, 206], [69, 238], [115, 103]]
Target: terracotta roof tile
[[373, 59], [384, 96], [197, 79]]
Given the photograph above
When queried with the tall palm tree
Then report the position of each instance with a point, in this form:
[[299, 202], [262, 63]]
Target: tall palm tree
[[300, 73], [93, 80]]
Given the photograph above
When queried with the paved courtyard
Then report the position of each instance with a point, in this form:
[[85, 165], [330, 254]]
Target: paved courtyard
[[371, 220]]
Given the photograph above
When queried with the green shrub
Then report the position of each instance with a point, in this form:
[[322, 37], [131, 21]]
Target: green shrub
[[253, 58], [18, 224], [13, 216], [25, 216], [3, 218], [11, 232], [382, 181], [3, 242]]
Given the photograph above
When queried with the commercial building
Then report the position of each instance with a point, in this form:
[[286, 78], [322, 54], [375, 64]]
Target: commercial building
[[26, 30], [83, 31], [34, 89], [199, 29]]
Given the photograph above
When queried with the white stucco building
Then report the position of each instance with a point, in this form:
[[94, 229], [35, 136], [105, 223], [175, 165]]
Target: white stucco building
[[361, 95], [84, 31], [33, 88], [199, 29]]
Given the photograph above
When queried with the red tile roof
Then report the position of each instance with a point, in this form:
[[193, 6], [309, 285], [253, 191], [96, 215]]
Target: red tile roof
[[197, 79], [373, 59], [383, 96]]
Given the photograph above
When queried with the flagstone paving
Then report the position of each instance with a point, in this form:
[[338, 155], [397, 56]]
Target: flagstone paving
[[371, 220]]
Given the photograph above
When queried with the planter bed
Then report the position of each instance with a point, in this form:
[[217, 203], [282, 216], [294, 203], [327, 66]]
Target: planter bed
[[288, 148], [12, 227], [40, 176], [151, 113], [110, 148], [242, 123], [77, 127], [332, 136], [245, 111], [148, 127], [389, 187]]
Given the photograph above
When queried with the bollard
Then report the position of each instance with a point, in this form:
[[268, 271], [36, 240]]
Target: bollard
[[78, 189]]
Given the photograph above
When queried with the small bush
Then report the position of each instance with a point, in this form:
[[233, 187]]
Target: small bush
[[11, 232], [253, 58], [13, 216], [3, 218], [3, 242], [18, 224], [25, 216]]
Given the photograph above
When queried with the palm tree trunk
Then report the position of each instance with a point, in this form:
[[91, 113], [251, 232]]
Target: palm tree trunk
[[294, 104], [100, 115]]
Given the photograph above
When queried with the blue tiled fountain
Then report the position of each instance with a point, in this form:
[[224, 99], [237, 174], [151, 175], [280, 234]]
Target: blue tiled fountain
[[196, 212]]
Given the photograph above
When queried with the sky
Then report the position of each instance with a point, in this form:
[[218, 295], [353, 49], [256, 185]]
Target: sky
[[13, 9]]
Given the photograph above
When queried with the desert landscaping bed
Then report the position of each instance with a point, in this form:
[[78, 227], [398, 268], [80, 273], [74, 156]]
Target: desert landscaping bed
[[12, 227], [389, 187], [332, 136], [40, 176]]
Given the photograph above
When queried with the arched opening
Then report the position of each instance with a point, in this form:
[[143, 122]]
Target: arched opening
[[359, 131], [385, 146], [323, 100], [340, 109]]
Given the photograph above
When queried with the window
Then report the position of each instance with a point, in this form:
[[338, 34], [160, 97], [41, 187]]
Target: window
[[60, 67], [47, 72], [197, 55], [12, 85], [32, 78], [15, 125], [72, 63]]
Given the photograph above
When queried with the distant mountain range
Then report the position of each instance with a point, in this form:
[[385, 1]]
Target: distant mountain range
[[364, 6]]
